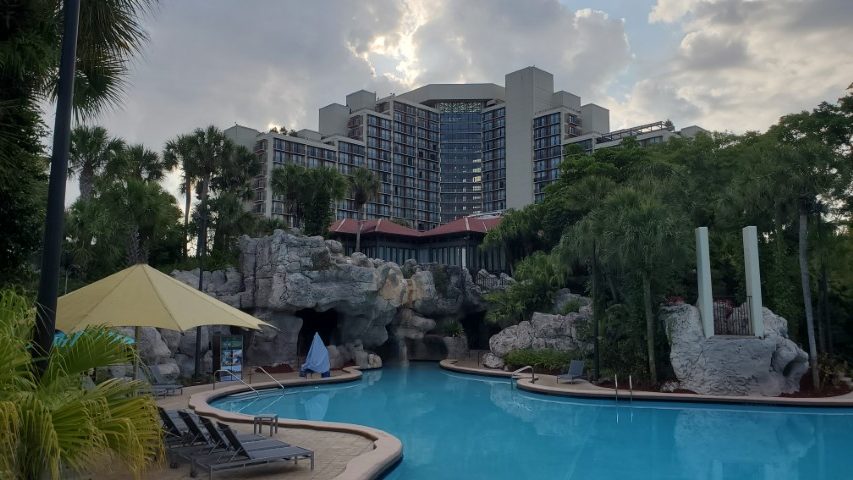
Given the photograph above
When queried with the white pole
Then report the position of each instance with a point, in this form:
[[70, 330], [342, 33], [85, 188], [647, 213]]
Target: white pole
[[703, 280], [753, 280]]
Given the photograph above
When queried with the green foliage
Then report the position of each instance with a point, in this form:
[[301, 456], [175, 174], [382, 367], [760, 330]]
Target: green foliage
[[572, 306], [538, 277], [542, 360], [624, 217], [309, 194], [56, 423], [450, 328]]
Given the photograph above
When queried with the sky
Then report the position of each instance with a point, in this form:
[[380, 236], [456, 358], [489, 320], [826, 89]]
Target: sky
[[726, 65]]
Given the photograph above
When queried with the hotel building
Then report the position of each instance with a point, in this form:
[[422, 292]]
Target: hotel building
[[445, 151]]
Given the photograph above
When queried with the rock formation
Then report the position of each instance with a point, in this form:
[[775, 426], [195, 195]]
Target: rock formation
[[544, 330], [723, 365], [284, 279]]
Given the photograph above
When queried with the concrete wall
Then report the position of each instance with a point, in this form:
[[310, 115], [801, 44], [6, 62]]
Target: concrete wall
[[595, 118], [333, 119], [528, 91], [361, 99]]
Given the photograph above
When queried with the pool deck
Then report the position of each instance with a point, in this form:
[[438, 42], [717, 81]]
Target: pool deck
[[547, 384], [342, 451]]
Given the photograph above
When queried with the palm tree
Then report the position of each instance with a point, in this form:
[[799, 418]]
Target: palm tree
[[137, 162], [580, 242], [92, 149], [325, 186], [211, 149], [289, 181], [180, 153], [641, 234], [57, 423], [364, 187]]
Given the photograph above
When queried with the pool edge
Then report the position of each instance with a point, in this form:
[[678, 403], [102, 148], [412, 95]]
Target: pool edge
[[387, 449], [565, 390]]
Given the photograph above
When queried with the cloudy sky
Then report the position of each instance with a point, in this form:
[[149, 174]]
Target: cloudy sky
[[732, 65]]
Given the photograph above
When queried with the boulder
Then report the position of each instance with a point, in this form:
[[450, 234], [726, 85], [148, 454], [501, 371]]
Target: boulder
[[490, 360], [725, 365], [543, 331], [565, 298], [186, 344], [457, 347], [168, 370]]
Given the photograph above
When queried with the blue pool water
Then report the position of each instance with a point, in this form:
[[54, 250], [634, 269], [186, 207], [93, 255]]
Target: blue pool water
[[456, 426]]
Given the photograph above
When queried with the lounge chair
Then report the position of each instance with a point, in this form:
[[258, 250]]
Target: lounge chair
[[172, 432], [575, 372], [246, 454], [219, 441]]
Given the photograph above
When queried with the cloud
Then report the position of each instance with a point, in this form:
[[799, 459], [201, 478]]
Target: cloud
[[743, 64]]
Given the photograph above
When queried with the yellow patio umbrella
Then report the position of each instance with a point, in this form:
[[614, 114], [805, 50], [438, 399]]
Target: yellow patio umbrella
[[141, 296]]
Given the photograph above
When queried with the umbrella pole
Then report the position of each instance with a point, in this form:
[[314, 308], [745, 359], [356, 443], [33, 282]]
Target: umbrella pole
[[136, 357]]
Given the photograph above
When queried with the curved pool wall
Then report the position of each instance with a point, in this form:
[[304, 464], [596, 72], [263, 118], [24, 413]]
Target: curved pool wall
[[387, 449], [455, 425]]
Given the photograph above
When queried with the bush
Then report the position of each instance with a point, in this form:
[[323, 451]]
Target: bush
[[573, 306], [543, 360], [451, 329]]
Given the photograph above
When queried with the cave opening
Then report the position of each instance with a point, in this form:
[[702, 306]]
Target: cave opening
[[325, 323], [478, 331]]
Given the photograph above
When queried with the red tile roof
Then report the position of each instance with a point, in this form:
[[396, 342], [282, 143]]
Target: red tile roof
[[349, 225], [460, 225], [465, 224]]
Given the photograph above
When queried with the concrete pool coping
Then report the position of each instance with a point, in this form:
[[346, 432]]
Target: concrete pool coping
[[387, 449], [547, 384]]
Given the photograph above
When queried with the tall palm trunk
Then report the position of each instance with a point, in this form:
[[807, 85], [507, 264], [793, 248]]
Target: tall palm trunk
[[596, 313], [358, 232], [87, 182], [188, 187], [650, 327], [201, 251], [807, 293]]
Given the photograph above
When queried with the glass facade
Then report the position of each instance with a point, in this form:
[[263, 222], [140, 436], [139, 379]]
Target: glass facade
[[461, 154], [547, 152], [494, 159], [415, 174]]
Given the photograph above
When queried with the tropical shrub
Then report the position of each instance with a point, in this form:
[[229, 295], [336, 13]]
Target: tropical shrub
[[539, 276], [451, 328], [572, 306], [56, 423], [545, 359]]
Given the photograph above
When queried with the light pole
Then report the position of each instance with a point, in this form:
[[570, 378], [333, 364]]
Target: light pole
[[53, 229]]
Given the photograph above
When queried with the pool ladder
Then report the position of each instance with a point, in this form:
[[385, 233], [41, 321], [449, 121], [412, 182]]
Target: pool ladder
[[517, 374], [630, 387], [235, 377]]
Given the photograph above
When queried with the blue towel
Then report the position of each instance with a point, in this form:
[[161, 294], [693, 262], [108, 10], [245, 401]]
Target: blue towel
[[317, 360]]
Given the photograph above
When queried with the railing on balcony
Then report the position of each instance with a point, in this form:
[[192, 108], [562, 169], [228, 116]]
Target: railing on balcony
[[730, 318]]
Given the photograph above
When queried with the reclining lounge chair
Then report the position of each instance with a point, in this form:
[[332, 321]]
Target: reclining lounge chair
[[575, 372], [246, 454]]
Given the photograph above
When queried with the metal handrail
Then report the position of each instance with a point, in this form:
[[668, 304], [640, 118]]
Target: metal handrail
[[616, 386], [235, 376], [271, 377], [516, 374], [631, 386]]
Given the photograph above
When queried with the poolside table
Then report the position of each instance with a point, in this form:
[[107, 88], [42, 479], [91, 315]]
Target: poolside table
[[259, 420]]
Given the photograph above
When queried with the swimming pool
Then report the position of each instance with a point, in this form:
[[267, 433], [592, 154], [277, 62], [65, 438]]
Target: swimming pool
[[456, 426]]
